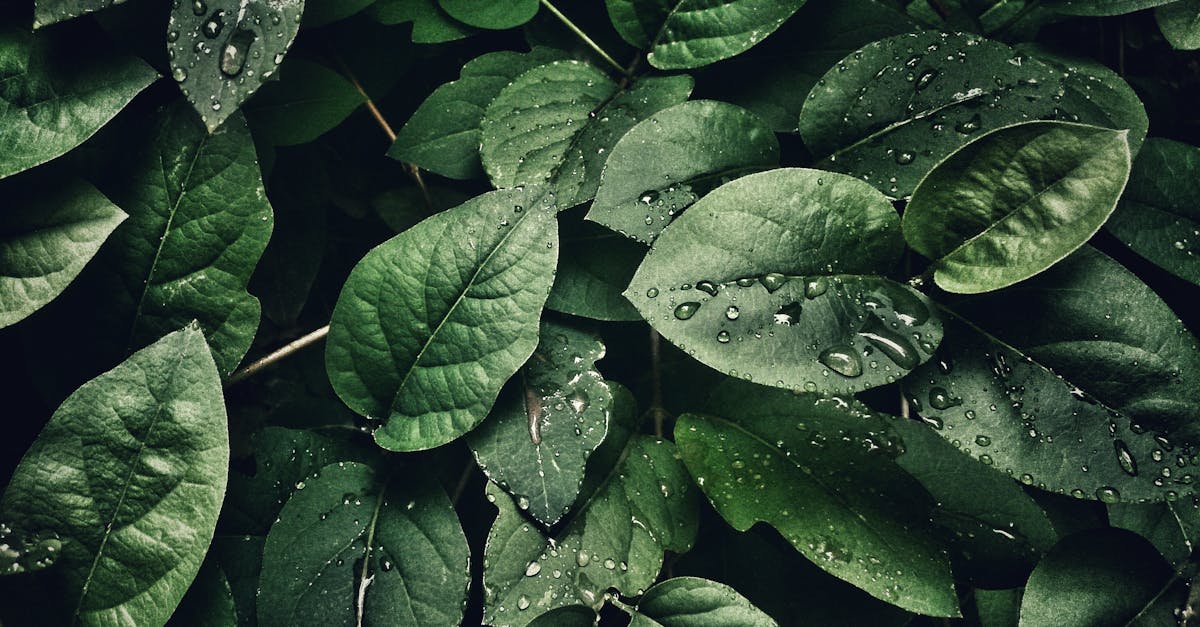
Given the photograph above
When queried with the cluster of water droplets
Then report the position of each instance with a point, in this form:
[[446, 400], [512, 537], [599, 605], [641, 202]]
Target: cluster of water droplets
[[21, 553]]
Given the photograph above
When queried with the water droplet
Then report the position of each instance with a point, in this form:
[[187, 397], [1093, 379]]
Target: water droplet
[[723, 337], [708, 287], [925, 79], [533, 569], [233, 55], [686, 310], [214, 25], [582, 559], [773, 281], [983, 440], [179, 74], [842, 360], [199, 7], [788, 314], [895, 346], [904, 157], [815, 287], [1108, 494], [652, 292], [967, 127], [522, 602], [940, 399], [732, 313], [648, 197], [1125, 458], [738, 464]]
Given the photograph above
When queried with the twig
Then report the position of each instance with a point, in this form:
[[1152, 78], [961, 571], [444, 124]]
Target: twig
[[656, 396], [462, 481], [583, 36], [270, 359]]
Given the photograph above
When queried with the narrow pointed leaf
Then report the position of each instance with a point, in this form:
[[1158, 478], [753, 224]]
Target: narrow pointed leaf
[[125, 483], [431, 323], [640, 504], [52, 229], [1180, 23], [558, 122], [776, 277], [1159, 215], [681, 34], [538, 438], [222, 50], [443, 134], [356, 548], [494, 15], [668, 161], [825, 476], [695, 602], [60, 87], [1016, 201], [590, 279]]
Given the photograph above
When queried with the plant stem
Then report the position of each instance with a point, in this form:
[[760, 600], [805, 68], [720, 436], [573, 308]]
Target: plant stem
[[656, 396], [462, 481], [583, 36], [270, 359]]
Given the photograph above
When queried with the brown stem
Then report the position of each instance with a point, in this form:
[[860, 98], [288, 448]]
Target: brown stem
[[656, 396], [463, 479], [270, 359]]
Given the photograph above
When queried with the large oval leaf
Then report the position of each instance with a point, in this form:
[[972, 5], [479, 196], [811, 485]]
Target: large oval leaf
[[683, 34], [124, 485], [47, 12], [825, 476], [431, 323], [54, 99], [54, 229], [776, 278], [222, 50], [352, 547], [1016, 201], [538, 439], [1159, 215], [668, 161], [494, 14]]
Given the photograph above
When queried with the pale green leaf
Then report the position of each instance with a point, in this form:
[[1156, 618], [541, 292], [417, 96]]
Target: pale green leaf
[[431, 323], [222, 50], [669, 160], [1016, 201], [695, 602], [777, 278], [124, 484], [352, 547], [537, 440]]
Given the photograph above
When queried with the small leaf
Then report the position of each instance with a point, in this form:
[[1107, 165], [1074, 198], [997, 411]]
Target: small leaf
[[431, 25], [538, 439], [638, 504], [1159, 214], [431, 323], [775, 278], [1180, 23], [60, 87], [52, 230], [682, 34], [222, 50], [1103, 578], [825, 476], [1173, 527], [208, 602], [1016, 201], [122, 488], [352, 547], [494, 14], [443, 135], [668, 161], [308, 100], [240, 557], [590, 279], [557, 123], [1103, 7], [695, 602]]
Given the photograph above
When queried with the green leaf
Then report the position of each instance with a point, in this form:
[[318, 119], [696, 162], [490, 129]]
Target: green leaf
[[443, 135], [222, 50], [1100, 381], [494, 15], [695, 602], [431, 323], [60, 87], [669, 160], [682, 34], [557, 123], [308, 100], [1173, 527], [53, 229], [431, 25], [1103, 7], [590, 279], [208, 602], [824, 474], [1101, 578], [640, 504], [888, 112], [240, 558], [124, 485], [1015, 202], [353, 547], [538, 439], [776, 278], [999, 531], [1180, 23], [47, 12], [1159, 213], [997, 608]]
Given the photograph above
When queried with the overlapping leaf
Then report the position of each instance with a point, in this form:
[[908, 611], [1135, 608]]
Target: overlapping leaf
[[431, 25], [307, 101], [495, 15], [777, 278], [431, 323], [695, 602], [590, 279]]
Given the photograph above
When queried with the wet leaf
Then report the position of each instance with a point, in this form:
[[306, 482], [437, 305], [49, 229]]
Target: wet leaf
[[222, 50], [60, 87], [537, 440], [776, 278], [824, 474], [353, 546], [50, 231], [1016, 201], [431, 323], [1159, 216], [120, 491], [695, 602], [47, 12], [668, 161]]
